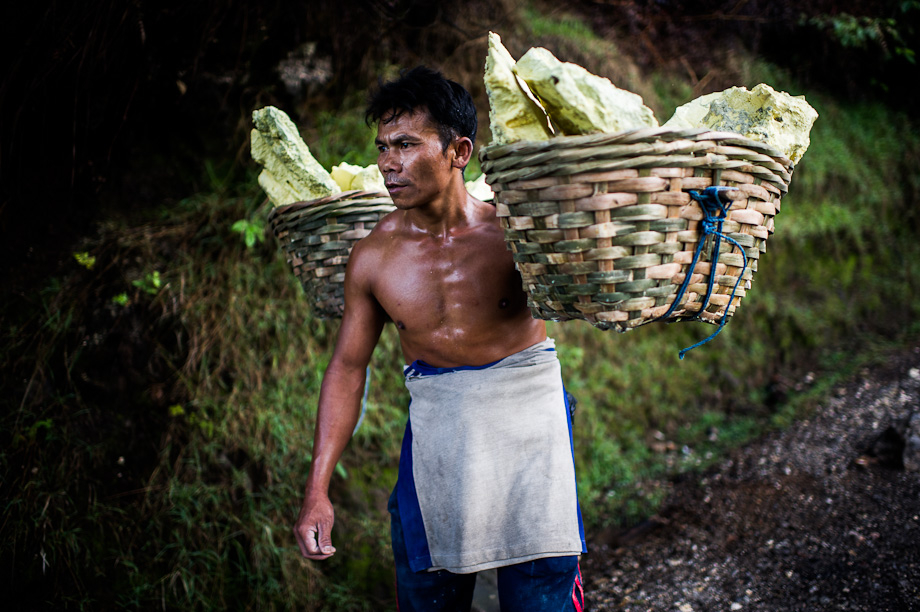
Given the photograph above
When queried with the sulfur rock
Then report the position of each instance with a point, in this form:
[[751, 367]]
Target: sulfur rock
[[278, 192], [764, 114], [369, 179], [579, 102], [344, 173], [514, 112], [690, 115], [480, 189], [289, 168]]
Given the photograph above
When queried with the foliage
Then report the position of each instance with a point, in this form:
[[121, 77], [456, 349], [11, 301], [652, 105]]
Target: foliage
[[571, 39], [341, 135], [151, 282], [201, 513], [85, 259], [251, 231], [566, 27], [889, 34]]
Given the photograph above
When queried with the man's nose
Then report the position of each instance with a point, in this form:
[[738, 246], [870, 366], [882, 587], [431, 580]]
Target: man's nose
[[387, 161]]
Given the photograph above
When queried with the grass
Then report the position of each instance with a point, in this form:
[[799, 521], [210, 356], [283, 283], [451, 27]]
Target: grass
[[155, 447], [562, 26]]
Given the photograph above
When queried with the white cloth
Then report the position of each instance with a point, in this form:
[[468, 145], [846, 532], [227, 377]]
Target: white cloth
[[492, 462]]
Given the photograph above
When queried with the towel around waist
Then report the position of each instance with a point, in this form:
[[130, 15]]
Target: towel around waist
[[492, 461]]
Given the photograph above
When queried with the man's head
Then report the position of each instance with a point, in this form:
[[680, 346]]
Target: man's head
[[425, 130], [449, 105]]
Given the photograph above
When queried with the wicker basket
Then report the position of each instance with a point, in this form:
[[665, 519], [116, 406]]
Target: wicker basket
[[317, 237], [603, 227]]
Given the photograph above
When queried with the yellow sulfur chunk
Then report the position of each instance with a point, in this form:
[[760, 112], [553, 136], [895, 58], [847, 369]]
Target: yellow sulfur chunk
[[690, 115], [276, 144], [369, 179], [344, 174], [279, 193], [480, 189], [514, 112], [764, 114], [579, 102]]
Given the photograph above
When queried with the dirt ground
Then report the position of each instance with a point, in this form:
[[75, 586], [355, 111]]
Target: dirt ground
[[823, 516]]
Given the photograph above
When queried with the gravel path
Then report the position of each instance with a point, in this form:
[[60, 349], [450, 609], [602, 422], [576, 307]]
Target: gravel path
[[823, 516]]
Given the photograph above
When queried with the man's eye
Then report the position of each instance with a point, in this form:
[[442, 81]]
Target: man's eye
[[381, 148], [404, 145]]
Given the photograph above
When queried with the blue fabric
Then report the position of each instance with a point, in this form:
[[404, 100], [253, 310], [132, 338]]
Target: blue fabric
[[538, 586], [535, 586], [420, 368], [418, 555], [569, 411]]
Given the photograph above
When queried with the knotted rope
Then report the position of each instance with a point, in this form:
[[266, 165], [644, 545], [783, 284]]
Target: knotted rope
[[715, 213]]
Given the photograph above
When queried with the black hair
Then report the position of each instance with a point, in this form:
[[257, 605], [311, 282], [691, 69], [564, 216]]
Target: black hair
[[448, 103]]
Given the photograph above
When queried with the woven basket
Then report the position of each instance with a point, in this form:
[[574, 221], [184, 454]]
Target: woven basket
[[317, 237], [603, 228]]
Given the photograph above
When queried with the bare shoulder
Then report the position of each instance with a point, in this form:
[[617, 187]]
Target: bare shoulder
[[388, 227], [488, 226], [368, 252], [486, 213]]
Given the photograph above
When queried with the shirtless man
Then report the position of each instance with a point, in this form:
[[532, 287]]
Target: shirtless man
[[439, 269]]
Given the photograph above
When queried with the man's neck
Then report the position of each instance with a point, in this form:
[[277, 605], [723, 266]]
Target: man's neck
[[452, 209]]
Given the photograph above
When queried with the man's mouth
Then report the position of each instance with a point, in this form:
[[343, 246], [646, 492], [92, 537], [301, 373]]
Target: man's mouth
[[395, 186]]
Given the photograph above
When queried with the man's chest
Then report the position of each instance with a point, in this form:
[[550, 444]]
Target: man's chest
[[433, 285]]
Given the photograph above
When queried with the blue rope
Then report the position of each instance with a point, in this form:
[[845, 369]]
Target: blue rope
[[715, 212], [367, 386]]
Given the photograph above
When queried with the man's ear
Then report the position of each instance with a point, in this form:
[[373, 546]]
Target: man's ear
[[463, 152]]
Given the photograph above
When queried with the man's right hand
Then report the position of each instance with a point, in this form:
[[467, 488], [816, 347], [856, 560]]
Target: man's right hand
[[313, 529]]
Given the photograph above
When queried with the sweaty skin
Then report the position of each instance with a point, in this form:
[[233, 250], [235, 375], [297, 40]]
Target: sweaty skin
[[439, 269]]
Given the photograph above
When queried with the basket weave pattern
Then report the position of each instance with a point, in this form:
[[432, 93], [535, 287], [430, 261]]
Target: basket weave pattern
[[317, 237], [603, 229]]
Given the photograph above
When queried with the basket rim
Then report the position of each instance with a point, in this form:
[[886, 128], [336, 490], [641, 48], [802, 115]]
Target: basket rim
[[638, 148], [524, 147], [354, 194], [346, 201]]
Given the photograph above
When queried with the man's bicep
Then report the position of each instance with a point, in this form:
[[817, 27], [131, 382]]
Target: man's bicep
[[364, 318]]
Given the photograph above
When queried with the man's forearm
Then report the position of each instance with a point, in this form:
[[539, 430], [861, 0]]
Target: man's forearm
[[339, 406], [337, 414]]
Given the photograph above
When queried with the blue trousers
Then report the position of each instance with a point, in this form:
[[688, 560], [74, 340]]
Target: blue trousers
[[552, 584]]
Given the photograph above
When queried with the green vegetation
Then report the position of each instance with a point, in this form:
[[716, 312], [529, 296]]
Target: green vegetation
[[342, 136], [869, 33], [565, 27], [157, 456]]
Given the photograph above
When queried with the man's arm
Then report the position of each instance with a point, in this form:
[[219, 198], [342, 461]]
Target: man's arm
[[339, 404]]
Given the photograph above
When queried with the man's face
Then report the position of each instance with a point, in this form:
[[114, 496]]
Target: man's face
[[414, 166]]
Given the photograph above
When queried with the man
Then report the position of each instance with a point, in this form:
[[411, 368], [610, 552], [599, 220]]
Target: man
[[486, 476]]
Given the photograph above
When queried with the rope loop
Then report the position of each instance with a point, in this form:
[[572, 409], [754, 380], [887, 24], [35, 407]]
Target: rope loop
[[715, 212]]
